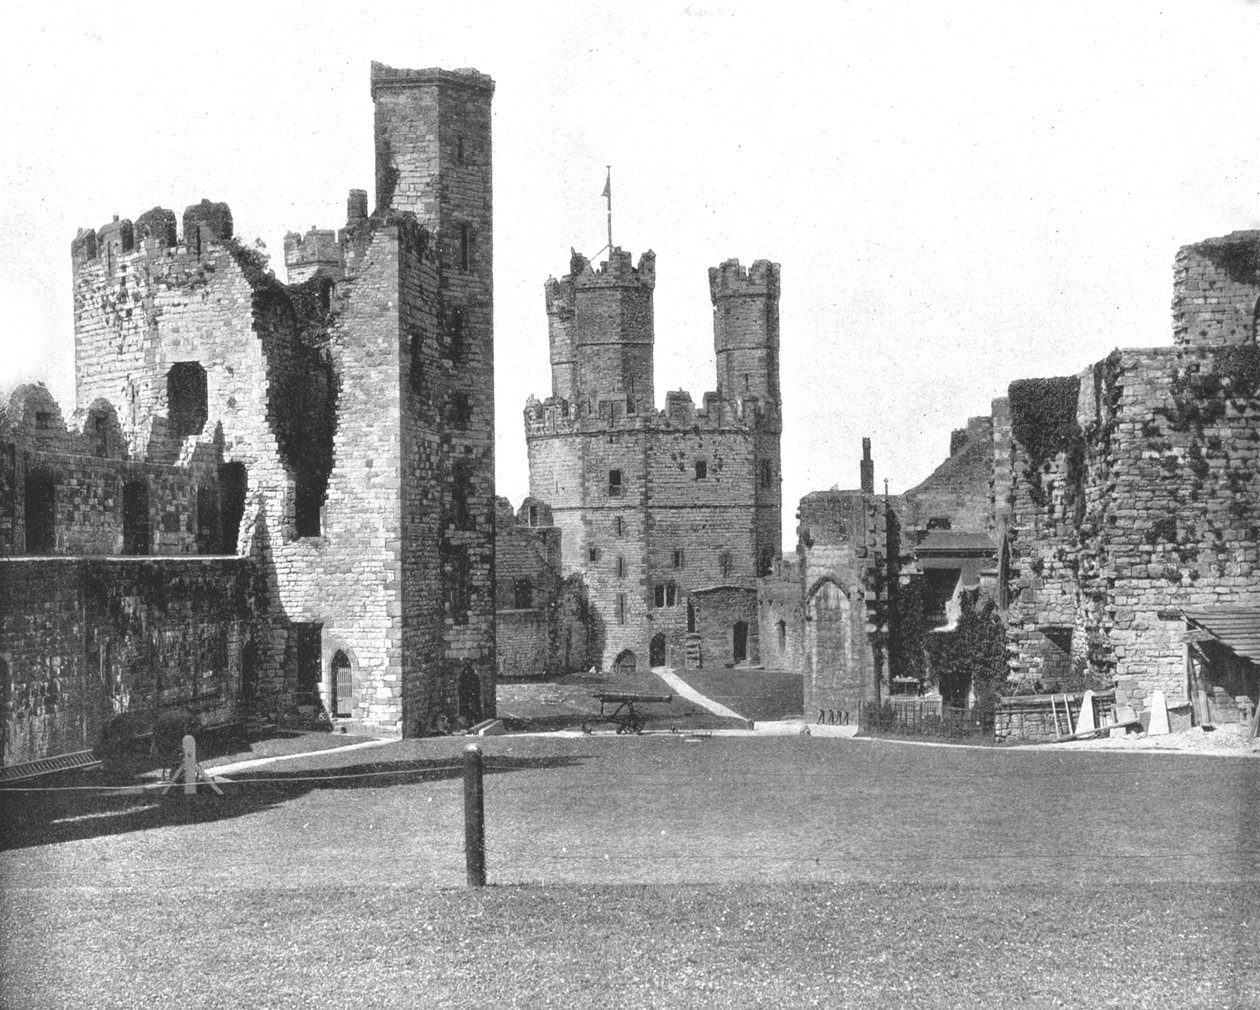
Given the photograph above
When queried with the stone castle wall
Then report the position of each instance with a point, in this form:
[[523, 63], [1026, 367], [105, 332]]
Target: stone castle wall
[[85, 640]]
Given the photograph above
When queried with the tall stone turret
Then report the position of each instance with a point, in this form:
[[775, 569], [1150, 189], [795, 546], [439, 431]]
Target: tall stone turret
[[602, 332], [746, 332], [433, 163]]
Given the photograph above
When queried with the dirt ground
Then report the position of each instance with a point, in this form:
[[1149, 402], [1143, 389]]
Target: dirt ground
[[1227, 739]]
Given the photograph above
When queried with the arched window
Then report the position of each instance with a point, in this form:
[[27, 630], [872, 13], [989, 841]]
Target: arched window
[[41, 512], [186, 398], [136, 517]]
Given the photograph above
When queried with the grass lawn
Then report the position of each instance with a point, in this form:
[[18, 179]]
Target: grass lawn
[[651, 871]]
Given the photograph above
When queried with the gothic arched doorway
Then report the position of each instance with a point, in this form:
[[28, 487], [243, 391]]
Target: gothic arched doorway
[[342, 693], [656, 649]]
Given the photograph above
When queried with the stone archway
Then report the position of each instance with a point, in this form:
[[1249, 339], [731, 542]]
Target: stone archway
[[625, 664], [834, 680]]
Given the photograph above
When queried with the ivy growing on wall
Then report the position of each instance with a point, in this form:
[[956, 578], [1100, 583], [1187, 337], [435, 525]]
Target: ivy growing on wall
[[1043, 421], [973, 655]]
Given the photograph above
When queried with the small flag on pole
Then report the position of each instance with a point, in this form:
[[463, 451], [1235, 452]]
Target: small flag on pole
[[607, 193]]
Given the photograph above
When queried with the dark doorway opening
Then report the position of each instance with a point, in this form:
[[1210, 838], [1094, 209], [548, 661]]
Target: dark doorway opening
[[342, 686], [625, 664], [136, 518], [656, 649], [307, 649], [739, 651], [232, 487], [469, 695], [41, 512]]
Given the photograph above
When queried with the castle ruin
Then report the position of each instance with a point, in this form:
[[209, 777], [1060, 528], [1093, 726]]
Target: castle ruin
[[272, 497]]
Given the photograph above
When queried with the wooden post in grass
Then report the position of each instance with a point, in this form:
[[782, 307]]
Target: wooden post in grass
[[474, 817]]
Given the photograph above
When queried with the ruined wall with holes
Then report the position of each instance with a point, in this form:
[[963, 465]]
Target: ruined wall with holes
[[347, 414], [1134, 488], [847, 585], [528, 584], [657, 505], [94, 648]]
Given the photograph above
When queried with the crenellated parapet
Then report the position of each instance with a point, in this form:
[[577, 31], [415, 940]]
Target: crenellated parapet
[[305, 255], [730, 280]]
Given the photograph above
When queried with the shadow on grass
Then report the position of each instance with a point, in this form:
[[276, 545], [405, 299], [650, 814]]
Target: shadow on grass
[[52, 816]]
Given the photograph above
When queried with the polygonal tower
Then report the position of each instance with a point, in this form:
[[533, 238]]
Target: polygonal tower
[[746, 330], [602, 332]]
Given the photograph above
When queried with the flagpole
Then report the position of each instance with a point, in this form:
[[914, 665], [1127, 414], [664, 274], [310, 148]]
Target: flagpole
[[608, 196]]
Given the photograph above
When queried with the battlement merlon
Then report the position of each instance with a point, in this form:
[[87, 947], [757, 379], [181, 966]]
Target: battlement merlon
[[204, 223], [385, 77], [730, 280]]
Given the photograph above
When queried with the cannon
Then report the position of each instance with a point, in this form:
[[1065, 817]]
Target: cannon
[[626, 718]]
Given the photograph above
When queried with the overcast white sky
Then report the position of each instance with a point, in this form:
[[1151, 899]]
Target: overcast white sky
[[959, 194]]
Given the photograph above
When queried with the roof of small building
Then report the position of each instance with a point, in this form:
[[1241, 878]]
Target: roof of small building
[[1238, 628], [955, 542]]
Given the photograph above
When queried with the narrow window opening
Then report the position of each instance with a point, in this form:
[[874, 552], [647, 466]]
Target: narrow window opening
[[460, 410], [782, 628], [614, 483], [766, 473], [619, 526], [308, 500], [523, 594], [679, 558], [665, 594], [691, 618], [41, 512], [593, 554], [461, 584], [621, 567], [415, 370], [463, 247], [186, 398], [724, 562], [533, 515], [621, 608], [461, 495], [136, 518], [459, 151], [702, 469]]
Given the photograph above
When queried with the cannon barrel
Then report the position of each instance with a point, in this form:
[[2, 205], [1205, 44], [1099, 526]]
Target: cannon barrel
[[630, 696]]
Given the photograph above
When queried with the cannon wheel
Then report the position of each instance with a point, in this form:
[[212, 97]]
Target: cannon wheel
[[633, 723]]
